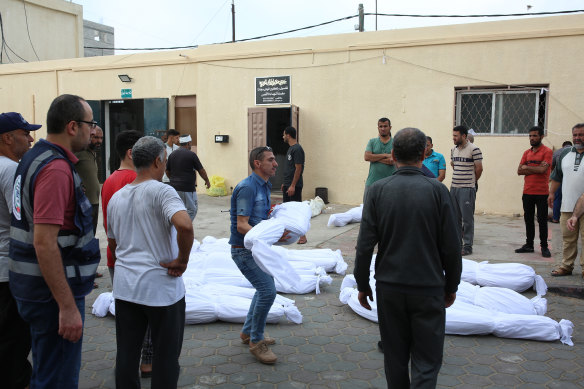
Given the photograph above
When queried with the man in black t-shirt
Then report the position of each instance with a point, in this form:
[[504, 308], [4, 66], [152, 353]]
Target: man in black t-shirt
[[181, 168], [293, 169]]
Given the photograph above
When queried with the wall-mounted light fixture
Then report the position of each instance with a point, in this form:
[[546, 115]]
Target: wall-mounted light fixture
[[125, 78]]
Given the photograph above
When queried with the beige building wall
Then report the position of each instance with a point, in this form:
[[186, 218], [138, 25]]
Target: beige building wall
[[55, 28], [342, 85]]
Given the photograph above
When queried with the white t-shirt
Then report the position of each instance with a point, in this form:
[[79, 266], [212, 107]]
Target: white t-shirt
[[138, 218], [7, 169], [169, 151]]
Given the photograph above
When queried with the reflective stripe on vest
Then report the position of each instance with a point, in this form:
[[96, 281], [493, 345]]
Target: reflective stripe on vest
[[33, 269]]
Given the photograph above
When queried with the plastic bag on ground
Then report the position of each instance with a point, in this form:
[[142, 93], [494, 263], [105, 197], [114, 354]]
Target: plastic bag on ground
[[217, 186]]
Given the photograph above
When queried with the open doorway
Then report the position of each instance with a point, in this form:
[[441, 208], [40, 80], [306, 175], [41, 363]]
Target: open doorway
[[123, 115], [265, 128]]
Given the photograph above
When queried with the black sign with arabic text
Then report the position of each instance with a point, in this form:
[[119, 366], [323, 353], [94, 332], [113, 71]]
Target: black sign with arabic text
[[272, 90]]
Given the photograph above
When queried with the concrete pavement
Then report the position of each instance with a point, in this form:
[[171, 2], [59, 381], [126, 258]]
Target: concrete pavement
[[336, 348]]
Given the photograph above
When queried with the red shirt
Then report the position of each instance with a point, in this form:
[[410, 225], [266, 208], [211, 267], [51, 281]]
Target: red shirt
[[54, 194], [537, 184], [116, 181]]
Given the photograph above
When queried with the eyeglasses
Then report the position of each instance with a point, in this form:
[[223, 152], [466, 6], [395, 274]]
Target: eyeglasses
[[91, 124]]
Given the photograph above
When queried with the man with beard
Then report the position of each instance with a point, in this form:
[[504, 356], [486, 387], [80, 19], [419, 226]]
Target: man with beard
[[87, 169], [467, 164], [535, 166], [378, 154], [53, 251], [568, 173]]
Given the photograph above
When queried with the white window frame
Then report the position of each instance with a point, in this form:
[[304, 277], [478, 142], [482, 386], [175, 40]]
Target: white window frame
[[495, 93]]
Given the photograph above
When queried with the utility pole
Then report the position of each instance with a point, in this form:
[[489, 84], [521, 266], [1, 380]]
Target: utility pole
[[375, 15], [361, 18], [233, 20]]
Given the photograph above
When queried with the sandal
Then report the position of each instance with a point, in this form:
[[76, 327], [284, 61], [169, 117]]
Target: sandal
[[560, 272], [302, 240]]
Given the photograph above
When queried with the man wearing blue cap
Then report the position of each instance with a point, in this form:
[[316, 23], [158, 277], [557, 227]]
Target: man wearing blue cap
[[15, 369], [53, 251]]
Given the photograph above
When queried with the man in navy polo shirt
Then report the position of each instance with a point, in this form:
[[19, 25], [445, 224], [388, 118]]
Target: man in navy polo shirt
[[250, 204], [434, 161]]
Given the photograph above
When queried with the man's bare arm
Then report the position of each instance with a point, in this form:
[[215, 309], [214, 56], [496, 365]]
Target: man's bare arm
[[203, 174], [370, 157], [441, 175], [478, 167], [524, 170], [184, 237], [51, 265]]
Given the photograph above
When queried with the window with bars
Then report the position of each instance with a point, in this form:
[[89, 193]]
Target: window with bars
[[501, 111]]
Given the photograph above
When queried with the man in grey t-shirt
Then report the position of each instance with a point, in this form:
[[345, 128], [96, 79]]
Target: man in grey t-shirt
[[15, 140]]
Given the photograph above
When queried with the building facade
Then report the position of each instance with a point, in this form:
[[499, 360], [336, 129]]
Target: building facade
[[499, 78]]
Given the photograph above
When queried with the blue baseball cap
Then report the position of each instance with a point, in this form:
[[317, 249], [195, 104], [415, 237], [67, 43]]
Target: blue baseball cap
[[10, 121]]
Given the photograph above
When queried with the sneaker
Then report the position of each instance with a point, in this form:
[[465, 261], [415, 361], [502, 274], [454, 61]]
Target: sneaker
[[545, 252], [525, 249], [466, 251], [263, 353]]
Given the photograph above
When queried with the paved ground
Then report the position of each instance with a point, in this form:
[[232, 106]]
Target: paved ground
[[335, 348]]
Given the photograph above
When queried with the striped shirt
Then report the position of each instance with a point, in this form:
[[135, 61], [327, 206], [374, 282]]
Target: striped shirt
[[464, 160]]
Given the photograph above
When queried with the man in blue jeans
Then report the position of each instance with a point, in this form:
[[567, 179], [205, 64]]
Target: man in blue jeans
[[250, 204], [53, 251]]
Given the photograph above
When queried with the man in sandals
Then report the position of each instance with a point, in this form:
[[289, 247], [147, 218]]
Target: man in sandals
[[568, 173]]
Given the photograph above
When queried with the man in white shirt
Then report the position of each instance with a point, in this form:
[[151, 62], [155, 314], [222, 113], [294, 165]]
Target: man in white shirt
[[148, 288], [172, 137]]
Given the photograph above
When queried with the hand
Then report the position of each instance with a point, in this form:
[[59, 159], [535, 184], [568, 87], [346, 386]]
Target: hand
[[70, 324], [362, 297], [285, 236], [175, 268], [207, 184], [282, 187], [551, 200], [449, 299], [291, 190], [571, 223]]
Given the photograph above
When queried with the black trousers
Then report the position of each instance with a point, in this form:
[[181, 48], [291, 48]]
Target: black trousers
[[95, 216], [15, 369], [411, 326], [297, 194], [167, 325], [530, 203]]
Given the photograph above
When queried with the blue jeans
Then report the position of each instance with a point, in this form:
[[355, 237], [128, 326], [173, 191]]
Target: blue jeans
[[264, 297], [557, 203], [55, 361]]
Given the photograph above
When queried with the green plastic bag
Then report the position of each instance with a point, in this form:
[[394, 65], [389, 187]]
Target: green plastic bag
[[217, 186]]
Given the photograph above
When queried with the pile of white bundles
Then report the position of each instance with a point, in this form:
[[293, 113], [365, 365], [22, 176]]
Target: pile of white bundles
[[216, 289], [516, 276], [482, 310], [353, 215]]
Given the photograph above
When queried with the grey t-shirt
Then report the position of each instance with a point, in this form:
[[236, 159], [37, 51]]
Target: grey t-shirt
[[139, 219], [7, 169], [294, 156]]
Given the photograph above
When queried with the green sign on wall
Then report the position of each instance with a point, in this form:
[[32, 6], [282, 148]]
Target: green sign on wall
[[126, 93]]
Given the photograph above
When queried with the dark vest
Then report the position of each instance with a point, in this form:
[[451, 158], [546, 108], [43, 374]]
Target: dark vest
[[79, 249]]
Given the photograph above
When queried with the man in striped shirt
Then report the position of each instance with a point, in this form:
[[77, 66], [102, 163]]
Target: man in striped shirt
[[467, 163]]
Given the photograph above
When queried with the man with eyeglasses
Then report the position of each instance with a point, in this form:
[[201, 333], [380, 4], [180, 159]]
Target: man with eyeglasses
[[15, 140], [250, 204], [53, 251], [568, 174]]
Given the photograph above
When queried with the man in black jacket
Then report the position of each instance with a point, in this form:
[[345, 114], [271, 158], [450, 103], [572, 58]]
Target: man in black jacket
[[418, 265]]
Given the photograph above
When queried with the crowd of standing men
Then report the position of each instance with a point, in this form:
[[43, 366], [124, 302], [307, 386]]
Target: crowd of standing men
[[48, 219]]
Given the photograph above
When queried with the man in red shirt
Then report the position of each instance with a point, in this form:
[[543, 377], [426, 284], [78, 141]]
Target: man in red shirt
[[535, 166]]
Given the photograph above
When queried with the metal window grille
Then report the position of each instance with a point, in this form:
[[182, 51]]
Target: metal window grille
[[501, 111]]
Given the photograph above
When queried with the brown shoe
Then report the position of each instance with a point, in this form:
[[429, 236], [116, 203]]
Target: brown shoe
[[263, 353], [561, 272], [269, 341]]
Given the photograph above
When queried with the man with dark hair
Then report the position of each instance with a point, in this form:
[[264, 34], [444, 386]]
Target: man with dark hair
[[558, 195], [87, 168], [182, 167], [15, 369], [293, 169], [148, 289], [52, 246], [172, 137], [418, 265], [250, 204], [535, 166], [378, 154], [434, 161], [467, 164], [569, 175]]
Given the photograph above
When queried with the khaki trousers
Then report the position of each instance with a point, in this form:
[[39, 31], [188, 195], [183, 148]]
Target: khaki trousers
[[570, 242]]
